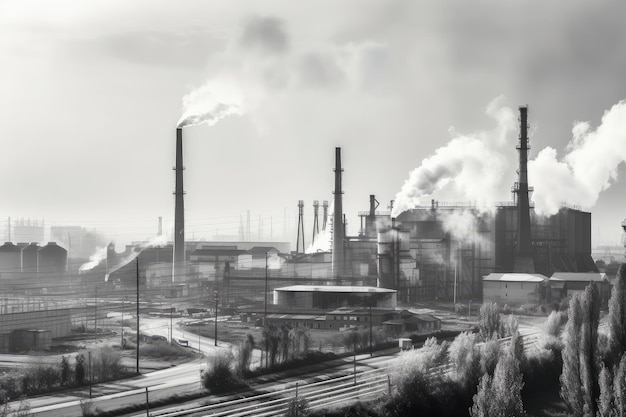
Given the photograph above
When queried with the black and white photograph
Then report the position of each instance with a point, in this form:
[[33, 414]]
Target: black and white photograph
[[353, 208]]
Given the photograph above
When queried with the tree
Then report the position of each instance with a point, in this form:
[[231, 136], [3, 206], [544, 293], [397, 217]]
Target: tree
[[619, 388], [464, 355], [606, 405], [79, 369], [507, 387], [570, 377], [489, 356], [65, 370], [617, 314], [581, 365], [589, 358], [489, 320], [483, 400]]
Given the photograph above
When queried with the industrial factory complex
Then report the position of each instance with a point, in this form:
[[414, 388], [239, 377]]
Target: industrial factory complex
[[505, 253]]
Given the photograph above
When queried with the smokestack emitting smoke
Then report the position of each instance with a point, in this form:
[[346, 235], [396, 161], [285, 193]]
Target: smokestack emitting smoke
[[478, 165], [212, 102], [179, 210], [473, 164], [338, 232]]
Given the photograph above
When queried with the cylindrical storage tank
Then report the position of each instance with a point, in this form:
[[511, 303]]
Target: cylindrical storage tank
[[52, 260], [10, 259], [29, 258]]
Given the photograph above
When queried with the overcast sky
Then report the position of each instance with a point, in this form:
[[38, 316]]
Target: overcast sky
[[91, 93]]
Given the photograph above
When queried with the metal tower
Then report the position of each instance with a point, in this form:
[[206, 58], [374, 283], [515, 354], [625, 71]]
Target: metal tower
[[316, 229], [300, 226]]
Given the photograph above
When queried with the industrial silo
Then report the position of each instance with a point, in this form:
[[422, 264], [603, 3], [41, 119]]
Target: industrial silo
[[29, 259], [10, 259], [52, 260]]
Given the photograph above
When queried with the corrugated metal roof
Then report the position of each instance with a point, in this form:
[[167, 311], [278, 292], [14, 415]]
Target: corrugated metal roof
[[514, 277], [579, 276]]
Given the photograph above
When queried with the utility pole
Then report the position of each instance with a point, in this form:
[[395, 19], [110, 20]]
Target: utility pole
[[370, 303], [216, 295], [95, 317], [137, 274], [265, 309]]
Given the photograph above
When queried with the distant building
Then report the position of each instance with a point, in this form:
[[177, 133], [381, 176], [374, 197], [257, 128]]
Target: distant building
[[28, 231], [514, 289], [333, 296], [565, 284]]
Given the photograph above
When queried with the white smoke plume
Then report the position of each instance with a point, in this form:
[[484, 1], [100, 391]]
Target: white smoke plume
[[324, 240], [461, 224], [255, 74], [159, 240], [212, 102], [473, 164], [94, 260], [589, 166]]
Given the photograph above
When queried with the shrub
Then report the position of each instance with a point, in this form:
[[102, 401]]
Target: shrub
[[464, 356], [218, 376], [297, 407], [244, 355], [106, 364]]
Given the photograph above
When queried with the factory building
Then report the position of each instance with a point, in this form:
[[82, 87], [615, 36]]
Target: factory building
[[28, 231], [40, 267], [514, 289]]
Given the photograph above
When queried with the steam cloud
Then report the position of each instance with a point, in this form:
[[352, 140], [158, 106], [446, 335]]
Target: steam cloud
[[211, 103], [474, 164], [324, 240], [588, 168], [255, 74], [94, 260], [477, 164]]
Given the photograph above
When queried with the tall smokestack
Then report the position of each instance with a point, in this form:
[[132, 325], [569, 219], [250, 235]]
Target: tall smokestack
[[523, 259], [179, 213], [338, 229]]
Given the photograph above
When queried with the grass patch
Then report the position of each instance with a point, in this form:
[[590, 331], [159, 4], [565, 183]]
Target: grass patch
[[163, 350]]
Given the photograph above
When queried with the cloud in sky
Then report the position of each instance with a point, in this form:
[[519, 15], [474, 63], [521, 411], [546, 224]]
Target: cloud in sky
[[384, 80]]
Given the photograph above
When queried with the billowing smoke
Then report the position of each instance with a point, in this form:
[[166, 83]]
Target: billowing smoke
[[256, 73], [461, 224], [473, 164], [94, 260], [324, 240], [589, 166], [212, 102]]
